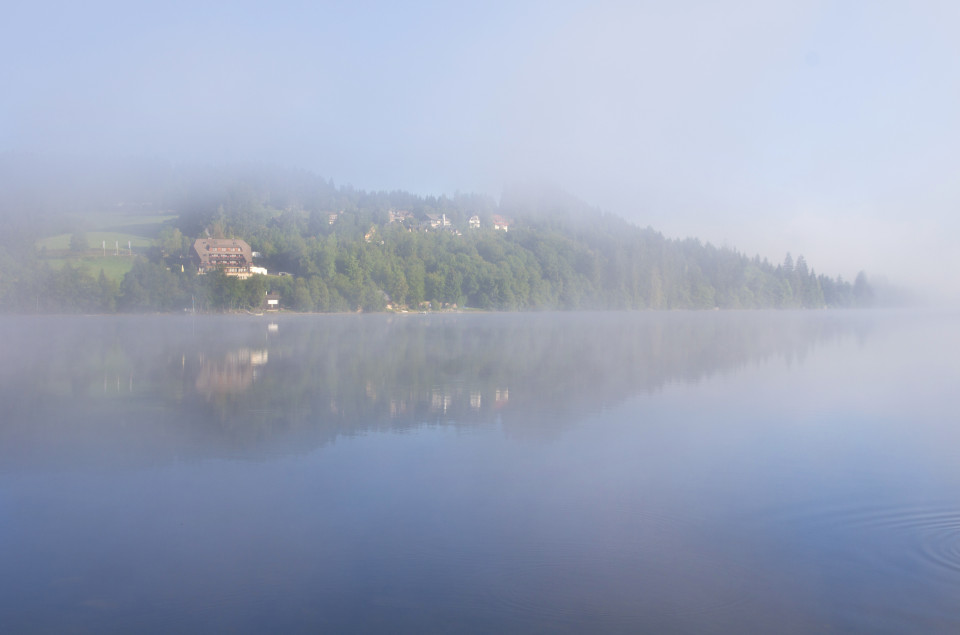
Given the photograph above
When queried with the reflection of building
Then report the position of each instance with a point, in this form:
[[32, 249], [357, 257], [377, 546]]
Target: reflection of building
[[398, 407], [229, 255], [233, 374], [440, 401]]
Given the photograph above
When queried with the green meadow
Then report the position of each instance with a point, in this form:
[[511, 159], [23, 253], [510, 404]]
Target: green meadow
[[95, 240], [114, 267], [112, 241]]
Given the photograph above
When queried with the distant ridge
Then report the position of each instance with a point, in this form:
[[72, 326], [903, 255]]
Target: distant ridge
[[537, 248]]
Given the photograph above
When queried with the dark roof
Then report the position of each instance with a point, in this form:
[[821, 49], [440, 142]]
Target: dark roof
[[214, 252]]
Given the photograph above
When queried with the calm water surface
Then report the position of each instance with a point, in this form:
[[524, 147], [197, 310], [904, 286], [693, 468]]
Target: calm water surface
[[641, 472]]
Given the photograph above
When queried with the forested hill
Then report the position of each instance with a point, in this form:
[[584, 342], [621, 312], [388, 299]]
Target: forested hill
[[347, 249]]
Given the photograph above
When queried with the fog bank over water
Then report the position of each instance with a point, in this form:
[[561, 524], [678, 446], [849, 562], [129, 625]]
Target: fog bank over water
[[122, 390], [825, 129]]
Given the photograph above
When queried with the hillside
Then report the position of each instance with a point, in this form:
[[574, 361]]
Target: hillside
[[348, 250]]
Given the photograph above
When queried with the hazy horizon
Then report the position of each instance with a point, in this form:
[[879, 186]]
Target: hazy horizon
[[816, 128]]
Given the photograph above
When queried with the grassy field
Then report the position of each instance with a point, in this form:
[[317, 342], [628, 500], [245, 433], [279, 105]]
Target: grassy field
[[95, 239], [140, 231], [114, 267], [111, 229]]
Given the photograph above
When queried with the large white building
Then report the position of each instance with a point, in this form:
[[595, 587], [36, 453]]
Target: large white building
[[229, 255]]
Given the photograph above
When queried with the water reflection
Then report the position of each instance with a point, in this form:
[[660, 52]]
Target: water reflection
[[204, 386], [531, 480], [234, 373]]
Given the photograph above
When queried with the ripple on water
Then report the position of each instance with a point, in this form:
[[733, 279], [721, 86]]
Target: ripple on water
[[904, 535]]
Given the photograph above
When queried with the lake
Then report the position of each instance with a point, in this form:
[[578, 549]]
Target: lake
[[702, 472]]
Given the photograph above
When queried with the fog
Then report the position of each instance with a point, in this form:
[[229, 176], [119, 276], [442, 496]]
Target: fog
[[231, 384], [577, 472], [820, 128]]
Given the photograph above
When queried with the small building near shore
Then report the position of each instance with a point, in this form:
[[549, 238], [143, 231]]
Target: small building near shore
[[271, 302]]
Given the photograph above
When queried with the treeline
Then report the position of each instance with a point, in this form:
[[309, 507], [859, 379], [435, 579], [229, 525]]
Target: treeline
[[147, 287], [345, 254]]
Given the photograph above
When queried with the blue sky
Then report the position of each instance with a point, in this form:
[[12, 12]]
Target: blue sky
[[822, 128]]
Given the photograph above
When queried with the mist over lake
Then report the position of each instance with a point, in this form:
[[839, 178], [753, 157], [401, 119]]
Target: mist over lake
[[687, 472], [479, 317]]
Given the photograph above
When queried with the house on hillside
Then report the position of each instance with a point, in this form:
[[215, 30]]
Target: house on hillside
[[474, 222], [437, 221], [400, 216], [501, 223], [229, 255]]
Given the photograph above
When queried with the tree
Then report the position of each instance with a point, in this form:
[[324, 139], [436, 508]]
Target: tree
[[319, 293], [255, 288], [224, 292], [862, 292], [171, 241], [149, 286], [302, 301], [372, 298], [788, 264], [108, 292]]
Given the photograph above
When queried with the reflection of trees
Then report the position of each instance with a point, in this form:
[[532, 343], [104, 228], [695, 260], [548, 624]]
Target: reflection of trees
[[208, 385]]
